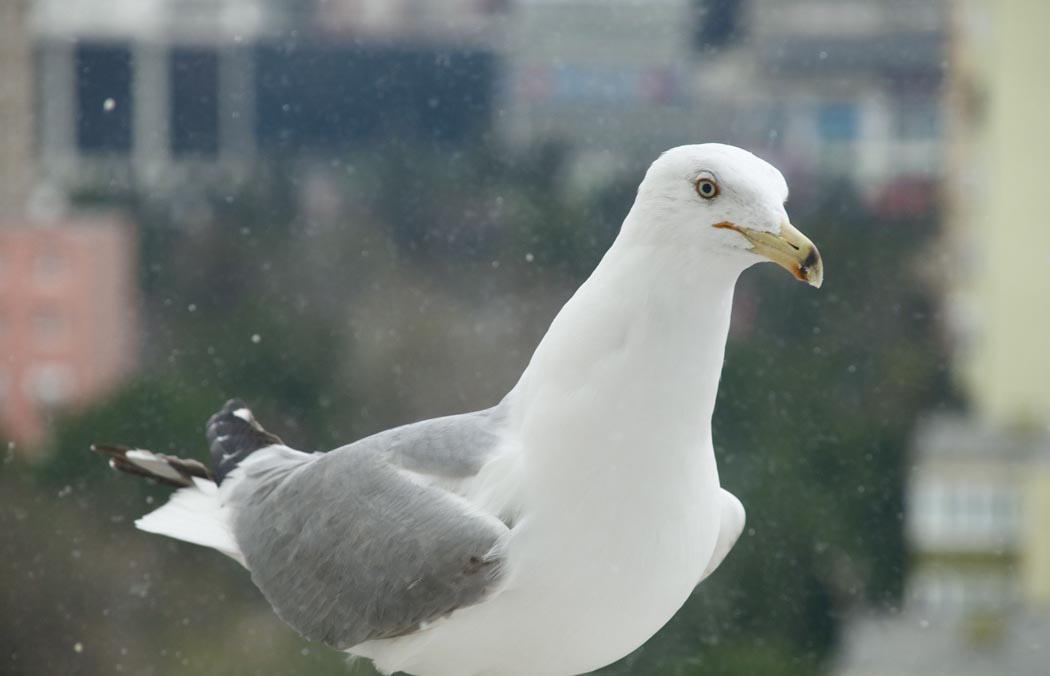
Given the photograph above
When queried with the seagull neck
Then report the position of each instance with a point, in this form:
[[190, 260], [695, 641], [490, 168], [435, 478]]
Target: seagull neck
[[636, 353]]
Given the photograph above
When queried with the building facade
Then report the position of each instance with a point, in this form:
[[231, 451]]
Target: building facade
[[978, 509], [143, 96], [820, 87], [150, 93], [68, 318]]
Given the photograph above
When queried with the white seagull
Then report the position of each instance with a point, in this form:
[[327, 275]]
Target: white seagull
[[553, 533]]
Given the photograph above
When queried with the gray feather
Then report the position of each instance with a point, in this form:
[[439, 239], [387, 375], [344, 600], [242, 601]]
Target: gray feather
[[452, 447], [348, 548]]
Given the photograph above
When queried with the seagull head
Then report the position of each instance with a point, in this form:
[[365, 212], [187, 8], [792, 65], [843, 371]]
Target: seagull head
[[728, 202]]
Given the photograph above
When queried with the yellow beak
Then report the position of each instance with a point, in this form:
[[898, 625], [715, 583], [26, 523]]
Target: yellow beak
[[790, 250]]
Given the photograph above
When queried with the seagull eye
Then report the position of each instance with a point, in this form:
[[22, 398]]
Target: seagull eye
[[707, 188]]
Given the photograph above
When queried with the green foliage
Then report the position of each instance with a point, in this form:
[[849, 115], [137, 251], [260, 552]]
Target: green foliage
[[156, 413]]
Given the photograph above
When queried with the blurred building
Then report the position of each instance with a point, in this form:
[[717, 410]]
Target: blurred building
[[979, 516], [609, 78], [978, 510], [149, 95], [853, 87], [977, 599], [68, 317], [830, 87], [68, 328]]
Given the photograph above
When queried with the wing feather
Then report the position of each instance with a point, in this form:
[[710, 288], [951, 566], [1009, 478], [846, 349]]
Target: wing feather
[[351, 546]]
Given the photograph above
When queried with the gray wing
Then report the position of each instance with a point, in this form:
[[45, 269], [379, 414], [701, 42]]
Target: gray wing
[[348, 547], [453, 447]]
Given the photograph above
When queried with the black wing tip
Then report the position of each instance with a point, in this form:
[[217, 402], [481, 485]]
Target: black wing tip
[[234, 411], [117, 454], [108, 449], [186, 468], [233, 434]]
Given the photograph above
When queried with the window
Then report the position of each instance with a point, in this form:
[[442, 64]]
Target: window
[[103, 98], [194, 78], [967, 514], [50, 383], [717, 23], [837, 122]]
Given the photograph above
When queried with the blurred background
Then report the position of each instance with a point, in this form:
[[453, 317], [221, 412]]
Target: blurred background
[[359, 213]]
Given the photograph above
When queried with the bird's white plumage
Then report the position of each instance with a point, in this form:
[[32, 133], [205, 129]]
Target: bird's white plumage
[[606, 458], [194, 514], [621, 505]]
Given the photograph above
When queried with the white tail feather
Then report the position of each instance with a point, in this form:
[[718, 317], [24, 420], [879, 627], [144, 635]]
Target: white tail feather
[[194, 514]]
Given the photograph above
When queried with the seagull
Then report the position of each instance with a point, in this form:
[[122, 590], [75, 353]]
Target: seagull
[[553, 533]]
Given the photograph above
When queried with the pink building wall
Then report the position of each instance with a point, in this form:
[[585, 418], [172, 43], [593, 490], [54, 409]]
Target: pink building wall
[[68, 318]]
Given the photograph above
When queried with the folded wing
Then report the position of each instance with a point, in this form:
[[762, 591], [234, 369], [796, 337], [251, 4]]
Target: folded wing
[[358, 544]]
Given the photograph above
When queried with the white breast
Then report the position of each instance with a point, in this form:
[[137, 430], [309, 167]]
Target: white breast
[[585, 585], [616, 479]]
